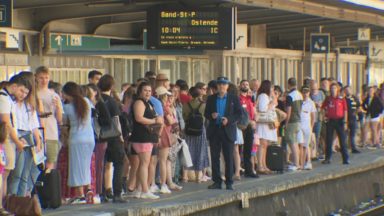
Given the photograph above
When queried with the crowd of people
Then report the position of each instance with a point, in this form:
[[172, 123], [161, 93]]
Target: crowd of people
[[153, 135]]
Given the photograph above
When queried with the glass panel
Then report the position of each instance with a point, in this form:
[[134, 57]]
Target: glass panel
[[136, 69], [152, 65], [184, 70], [167, 67]]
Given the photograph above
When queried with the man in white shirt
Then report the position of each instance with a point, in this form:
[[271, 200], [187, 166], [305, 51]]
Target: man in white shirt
[[17, 86], [27, 128], [51, 117], [307, 120]]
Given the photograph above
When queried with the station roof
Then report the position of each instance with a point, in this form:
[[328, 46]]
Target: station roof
[[285, 19]]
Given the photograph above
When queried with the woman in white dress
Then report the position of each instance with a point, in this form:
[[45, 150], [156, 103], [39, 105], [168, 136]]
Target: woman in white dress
[[267, 133]]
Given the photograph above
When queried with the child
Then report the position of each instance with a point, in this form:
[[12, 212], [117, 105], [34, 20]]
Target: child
[[255, 147], [3, 138]]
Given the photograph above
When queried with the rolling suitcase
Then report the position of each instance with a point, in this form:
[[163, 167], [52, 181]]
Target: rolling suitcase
[[48, 187], [275, 158]]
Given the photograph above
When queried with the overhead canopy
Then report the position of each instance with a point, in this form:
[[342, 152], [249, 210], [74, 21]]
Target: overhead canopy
[[285, 19]]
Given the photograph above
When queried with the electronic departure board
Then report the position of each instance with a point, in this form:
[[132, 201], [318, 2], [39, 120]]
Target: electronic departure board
[[204, 28]]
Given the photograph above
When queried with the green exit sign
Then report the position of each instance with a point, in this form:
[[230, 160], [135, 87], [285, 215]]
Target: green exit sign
[[72, 42]]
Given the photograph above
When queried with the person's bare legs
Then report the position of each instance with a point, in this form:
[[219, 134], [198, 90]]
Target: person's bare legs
[[302, 154], [295, 154], [169, 175], [265, 146], [143, 174], [135, 162], [260, 156], [79, 191], [237, 161], [254, 163], [375, 133], [163, 156], [152, 170], [108, 175], [4, 185], [308, 157]]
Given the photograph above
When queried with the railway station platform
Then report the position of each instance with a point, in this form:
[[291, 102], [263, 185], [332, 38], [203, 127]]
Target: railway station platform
[[317, 192]]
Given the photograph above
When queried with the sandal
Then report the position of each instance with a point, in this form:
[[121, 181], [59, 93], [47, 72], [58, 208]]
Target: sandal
[[236, 178], [89, 196], [175, 187], [78, 200]]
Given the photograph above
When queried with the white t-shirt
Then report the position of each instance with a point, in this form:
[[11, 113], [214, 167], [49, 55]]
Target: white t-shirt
[[26, 117], [307, 108], [7, 107], [50, 123]]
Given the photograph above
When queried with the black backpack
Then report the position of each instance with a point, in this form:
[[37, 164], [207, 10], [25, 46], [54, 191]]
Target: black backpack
[[244, 120], [194, 123]]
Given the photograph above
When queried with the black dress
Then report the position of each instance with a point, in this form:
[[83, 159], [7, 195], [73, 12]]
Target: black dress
[[140, 133]]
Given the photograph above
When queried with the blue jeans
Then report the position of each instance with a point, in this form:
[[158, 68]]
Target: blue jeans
[[21, 174]]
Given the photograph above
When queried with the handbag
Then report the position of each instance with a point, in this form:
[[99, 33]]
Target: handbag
[[244, 120], [105, 128], [154, 129], [186, 159], [175, 149], [23, 206], [267, 117], [105, 132]]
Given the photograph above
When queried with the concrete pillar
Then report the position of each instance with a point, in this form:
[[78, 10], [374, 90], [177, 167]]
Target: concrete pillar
[[258, 36], [35, 61]]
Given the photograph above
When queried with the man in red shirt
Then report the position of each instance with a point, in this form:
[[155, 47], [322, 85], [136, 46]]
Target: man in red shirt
[[248, 104], [336, 112]]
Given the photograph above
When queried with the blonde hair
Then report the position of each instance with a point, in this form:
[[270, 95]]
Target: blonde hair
[[41, 70], [31, 98], [163, 98]]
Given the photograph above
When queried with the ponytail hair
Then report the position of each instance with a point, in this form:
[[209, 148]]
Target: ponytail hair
[[73, 90]]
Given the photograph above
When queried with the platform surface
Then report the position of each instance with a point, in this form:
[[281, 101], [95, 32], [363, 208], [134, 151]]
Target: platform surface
[[195, 197]]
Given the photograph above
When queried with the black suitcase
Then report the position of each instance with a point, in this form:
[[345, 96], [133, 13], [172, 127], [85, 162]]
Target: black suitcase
[[275, 158], [48, 187]]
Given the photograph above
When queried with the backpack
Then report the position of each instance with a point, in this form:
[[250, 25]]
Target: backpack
[[195, 121], [244, 120]]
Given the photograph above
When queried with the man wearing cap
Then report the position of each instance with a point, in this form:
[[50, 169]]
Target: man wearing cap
[[222, 110], [307, 121]]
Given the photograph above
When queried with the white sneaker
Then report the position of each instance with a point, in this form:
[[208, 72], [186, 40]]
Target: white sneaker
[[308, 166], [133, 194], [138, 195], [96, 199], [292, 168], [164, 189], [149, 195], [154, 189]]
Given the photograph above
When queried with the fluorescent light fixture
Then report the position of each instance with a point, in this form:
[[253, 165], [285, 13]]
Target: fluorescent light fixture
[[377, 4]]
